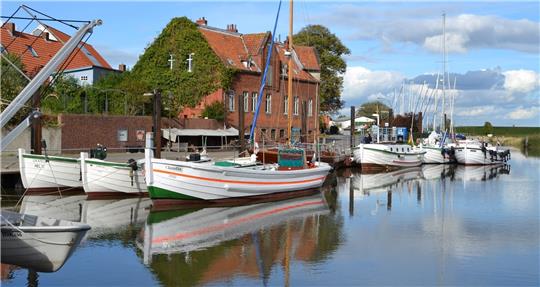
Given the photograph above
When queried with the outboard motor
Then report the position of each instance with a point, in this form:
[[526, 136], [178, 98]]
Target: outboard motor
[[100, 152], [452, 154], [194, 157], [133, 167]]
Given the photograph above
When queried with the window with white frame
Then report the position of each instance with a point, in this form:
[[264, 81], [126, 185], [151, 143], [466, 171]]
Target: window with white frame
[[296, 102], [268, 103], [310, 108], [246, 102], [286, 105], [254, 101], [231, 101], [84, 78]]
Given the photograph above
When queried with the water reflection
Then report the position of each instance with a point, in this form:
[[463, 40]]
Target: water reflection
[[219, 243]]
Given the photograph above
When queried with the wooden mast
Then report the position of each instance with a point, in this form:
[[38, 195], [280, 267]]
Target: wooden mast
[[290, 73]]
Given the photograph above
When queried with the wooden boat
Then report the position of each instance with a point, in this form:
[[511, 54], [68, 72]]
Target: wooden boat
[[39, 243], [189, 230], [42, 173], [270, 155], [104, 178], [215, 182], [478, 153], [387, 156]]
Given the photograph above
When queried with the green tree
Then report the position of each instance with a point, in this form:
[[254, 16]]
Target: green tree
[[375, 107], [63, 96], [215, 111], [488, 128], [330, 50], [12, 83]]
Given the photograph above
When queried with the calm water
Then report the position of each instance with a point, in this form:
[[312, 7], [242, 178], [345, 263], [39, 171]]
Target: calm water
[[435, 225]]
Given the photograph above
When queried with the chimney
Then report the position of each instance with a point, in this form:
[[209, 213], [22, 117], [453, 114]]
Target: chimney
[[10, 27], [232, 28], [122, 67], [201, 22]]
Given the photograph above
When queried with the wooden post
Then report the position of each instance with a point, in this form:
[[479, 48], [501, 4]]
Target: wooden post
[[353, 116], [157, 123], [241, 116], [36, 126], [304, 122]]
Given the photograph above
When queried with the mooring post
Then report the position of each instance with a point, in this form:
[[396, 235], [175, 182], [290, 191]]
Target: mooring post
[[241, 116], [35, 133], [352, 126], [157, 123]]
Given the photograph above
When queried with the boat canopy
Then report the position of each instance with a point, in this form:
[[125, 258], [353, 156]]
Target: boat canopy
[[174, 133]]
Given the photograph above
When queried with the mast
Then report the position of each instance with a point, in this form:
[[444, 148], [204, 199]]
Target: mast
[[290, 72], [443, 125]]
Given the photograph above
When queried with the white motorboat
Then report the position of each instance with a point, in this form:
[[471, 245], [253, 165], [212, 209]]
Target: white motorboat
[[105, 178], [185, 231], [479, 153], [387, 155], [43, 173], [39, 243]]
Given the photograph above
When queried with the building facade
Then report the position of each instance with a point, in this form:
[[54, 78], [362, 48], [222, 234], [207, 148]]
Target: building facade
[[247, 53]]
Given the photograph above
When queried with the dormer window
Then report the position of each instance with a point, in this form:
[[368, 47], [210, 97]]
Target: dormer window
[[34, 53]]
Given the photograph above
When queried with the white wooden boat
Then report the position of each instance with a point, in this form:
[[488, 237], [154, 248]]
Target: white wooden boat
[[175, 232], [39, 243], [478, 153], [49, 173], [436, 154], [227, 182], [387, 155], [105, 178]]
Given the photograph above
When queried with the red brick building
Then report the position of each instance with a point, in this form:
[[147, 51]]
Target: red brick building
[[247, 54], [35, 50]]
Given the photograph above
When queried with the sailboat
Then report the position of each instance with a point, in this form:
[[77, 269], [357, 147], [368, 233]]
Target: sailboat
[[173, 181]]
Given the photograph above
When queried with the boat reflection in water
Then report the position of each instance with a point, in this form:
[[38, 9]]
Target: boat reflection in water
[[217, 243]]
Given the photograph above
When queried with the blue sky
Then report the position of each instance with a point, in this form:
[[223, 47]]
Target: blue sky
[[390, 42]]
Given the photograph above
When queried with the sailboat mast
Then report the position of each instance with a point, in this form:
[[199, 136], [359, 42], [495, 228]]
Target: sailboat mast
[[443, 119], [290, 72]]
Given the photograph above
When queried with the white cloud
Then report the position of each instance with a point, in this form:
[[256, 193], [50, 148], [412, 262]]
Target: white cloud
[[522, 81], [454, 43], [361, 84], [463, 31], [524, 113], [476, 111]]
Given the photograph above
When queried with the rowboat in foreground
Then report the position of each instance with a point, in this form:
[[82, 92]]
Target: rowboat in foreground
[[43, 173], [39, 243], [105, 178]]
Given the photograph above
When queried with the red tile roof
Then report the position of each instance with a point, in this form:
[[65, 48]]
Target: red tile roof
[[233, 48], [20, 42], [308, 57]]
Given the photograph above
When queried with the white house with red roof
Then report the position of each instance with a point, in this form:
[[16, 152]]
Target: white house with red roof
[[37, 48]]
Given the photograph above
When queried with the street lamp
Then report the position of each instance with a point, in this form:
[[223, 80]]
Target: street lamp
[[156, 120], [378, 128]]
